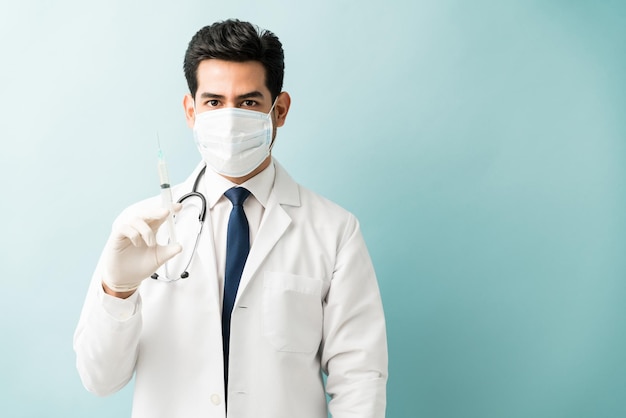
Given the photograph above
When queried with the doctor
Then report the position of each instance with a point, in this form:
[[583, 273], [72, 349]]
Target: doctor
[[279, 288]]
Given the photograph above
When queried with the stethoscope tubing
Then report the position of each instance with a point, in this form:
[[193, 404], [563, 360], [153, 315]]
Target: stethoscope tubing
[[201, 218]]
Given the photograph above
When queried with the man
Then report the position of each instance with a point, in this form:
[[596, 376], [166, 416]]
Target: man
[[278, 286]]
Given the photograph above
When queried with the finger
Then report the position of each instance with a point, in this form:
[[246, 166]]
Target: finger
[[166, 252], [155, 217], [127, 231], [145, 231], [177, 207], [138, 232]]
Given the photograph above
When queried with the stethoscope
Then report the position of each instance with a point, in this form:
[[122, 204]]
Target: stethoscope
[[201, 218]]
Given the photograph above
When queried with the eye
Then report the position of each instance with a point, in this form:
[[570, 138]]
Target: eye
[[248, 103], [213, 103]]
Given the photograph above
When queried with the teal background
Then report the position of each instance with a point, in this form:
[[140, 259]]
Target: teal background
[[480, 143]]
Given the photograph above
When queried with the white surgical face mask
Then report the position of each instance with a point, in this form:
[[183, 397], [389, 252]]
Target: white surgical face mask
[[233, 142]]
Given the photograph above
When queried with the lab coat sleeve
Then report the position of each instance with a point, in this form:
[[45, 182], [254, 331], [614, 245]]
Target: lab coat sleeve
[[354, 346], [106, 339]]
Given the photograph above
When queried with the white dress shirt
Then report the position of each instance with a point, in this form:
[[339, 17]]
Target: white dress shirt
[[213, 186]]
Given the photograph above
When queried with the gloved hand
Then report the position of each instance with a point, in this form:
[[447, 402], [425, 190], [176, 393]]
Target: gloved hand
[[132, 254]]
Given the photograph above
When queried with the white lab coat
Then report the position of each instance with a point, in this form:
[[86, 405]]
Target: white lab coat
[[308, 301]]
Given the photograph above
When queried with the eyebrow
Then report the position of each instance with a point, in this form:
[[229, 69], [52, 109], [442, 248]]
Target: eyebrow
[[251, 95]]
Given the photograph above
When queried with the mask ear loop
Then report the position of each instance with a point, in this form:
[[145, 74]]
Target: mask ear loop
[[269, 114], [272, 108]]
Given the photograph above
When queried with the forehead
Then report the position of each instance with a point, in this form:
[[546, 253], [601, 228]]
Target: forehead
[[230, 78]]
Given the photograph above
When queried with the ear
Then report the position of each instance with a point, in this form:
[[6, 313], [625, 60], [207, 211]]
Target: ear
[[190, 114], [281, 108]]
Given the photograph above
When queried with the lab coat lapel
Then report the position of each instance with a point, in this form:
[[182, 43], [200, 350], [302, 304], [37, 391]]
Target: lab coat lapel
[[274, 224]]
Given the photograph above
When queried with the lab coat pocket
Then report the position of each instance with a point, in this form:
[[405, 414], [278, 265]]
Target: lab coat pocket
[[292, 312]]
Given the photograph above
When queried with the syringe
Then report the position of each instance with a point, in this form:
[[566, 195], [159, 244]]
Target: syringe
[[166, 193]]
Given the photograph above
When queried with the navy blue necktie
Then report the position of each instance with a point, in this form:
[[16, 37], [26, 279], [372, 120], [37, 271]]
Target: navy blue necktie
[[237, 249]]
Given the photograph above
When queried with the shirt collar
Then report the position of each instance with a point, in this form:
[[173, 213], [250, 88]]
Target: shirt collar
[[260, 185]]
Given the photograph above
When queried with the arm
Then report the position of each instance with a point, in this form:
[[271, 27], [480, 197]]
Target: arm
[[106, 339], [354, 346]]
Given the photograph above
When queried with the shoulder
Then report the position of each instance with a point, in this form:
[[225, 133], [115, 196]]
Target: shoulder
[[309, 209], [313, 201]]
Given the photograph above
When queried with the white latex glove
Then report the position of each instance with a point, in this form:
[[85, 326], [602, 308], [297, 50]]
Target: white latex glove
[[132, 254]]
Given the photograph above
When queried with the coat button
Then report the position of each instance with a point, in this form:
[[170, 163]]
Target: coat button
[[215, 398]]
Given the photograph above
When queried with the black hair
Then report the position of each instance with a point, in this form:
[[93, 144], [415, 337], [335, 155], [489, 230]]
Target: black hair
[[234, 40]]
